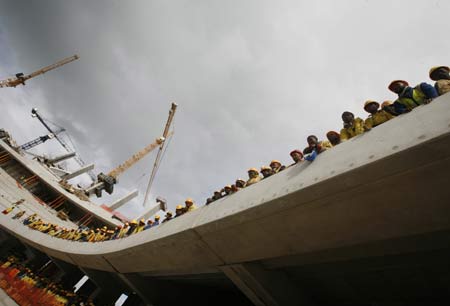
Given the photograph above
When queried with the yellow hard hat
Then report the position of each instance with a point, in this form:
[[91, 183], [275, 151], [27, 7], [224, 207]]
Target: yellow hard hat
[[433, 69], [265, 168], [368, 102], [179, 207], [168, 213], [133, 222], [189, 200], [156, 217], [386, 103], [142, 221], [275, 162], [253, 169]]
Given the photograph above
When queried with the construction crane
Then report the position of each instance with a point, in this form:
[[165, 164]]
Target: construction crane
[[107, 181], [39, 140], [172, 110], [20, 78], [64, 144]]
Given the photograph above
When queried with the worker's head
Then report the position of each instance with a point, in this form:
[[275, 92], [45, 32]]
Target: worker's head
[[334, 137], [157, 218], [398, 86], [133, 222], [252, 172], [386, 103], [347, 117], [189, 202], [312, 140], [266, 171], [296, 155], [240, 183], [142, 221], [168, 214], [275, 164], [371, 106], [227, 189], [149, 221], [440, 73]]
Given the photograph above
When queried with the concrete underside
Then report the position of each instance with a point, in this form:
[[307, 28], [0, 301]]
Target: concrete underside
[[365, 224]]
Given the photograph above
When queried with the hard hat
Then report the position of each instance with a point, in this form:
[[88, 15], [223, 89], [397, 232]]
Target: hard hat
[[189, 200], [253, 169], [104, 227], [240, 180], [227, 187], [156, 217], [149, 221], [217, 191], [133, 222], [333, 133], [433, 69], [394, 83], [296, 151], [263, 168], [168, 213], [179, 207], [275, 162], [386, 103], [142, 221], [368, 102]]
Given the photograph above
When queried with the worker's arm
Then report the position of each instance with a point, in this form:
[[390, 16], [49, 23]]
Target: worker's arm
[[429, 91]]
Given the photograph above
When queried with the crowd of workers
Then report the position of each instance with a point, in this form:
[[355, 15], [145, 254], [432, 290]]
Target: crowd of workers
[[86, 234], [26, 287], [407, 99]]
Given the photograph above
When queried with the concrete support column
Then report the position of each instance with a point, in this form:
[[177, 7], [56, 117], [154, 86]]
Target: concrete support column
[[110, 287], [264, 287]]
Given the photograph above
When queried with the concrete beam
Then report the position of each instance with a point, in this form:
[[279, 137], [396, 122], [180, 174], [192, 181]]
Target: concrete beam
[[153, 210], [264, 287], [60, 158], [124, 200], [78, 172]]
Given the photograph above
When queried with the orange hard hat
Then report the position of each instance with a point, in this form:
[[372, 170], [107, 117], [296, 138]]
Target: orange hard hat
[[433, 69], [394, 83], [275, 162], [189, 200]]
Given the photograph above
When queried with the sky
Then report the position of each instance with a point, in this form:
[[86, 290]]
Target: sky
[[252, 78]]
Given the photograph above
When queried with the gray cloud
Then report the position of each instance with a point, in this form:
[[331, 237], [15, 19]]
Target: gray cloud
[[252, 78]]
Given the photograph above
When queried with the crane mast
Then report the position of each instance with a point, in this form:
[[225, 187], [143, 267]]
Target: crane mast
[[20, 78]]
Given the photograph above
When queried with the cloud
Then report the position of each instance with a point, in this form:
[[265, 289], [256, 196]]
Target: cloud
[[252, 78]]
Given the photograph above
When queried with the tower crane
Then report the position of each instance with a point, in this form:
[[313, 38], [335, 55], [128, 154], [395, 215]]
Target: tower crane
[[20, 78], [64, 144], [39, 140], [107, 181]]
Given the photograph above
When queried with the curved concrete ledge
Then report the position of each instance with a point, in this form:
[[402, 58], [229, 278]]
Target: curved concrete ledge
[[390, 184]]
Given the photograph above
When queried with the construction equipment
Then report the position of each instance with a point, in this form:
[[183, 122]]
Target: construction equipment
[[39, 140], [172, 110], [20, 78], [64, 144], [107, 181]]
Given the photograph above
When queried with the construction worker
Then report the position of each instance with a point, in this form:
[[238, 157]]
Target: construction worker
[[91, 236], [441, 74], [297, 156], [389, 107], [116, 233], [156, 222], [29, 219], [409, 97], [179, 211], [217, 195], [266, 171], [377, 116], [168, 217], [208, 201], [276, 166], [352, 126], [227, 190], [140, 226], [133, 226], [334, 138], [123, 232], [19, 214], [240, 183], [190, 206], [253, 176], [148, 225], [315, 145]]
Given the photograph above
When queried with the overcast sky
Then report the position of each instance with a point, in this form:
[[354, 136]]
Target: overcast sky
[[252, 78]]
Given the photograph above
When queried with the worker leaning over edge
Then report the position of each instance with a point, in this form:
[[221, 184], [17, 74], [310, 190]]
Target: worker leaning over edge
[[377, 116], [389, 107], [266, 171], [276, 166], [352, 126], [297, 156], [179, 211], [441, 74], [140, 226], [190, 206], [316, 146], [240, 183], [253, 176], [409, 97], [334, 138], [148, 225], [168, 217]]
